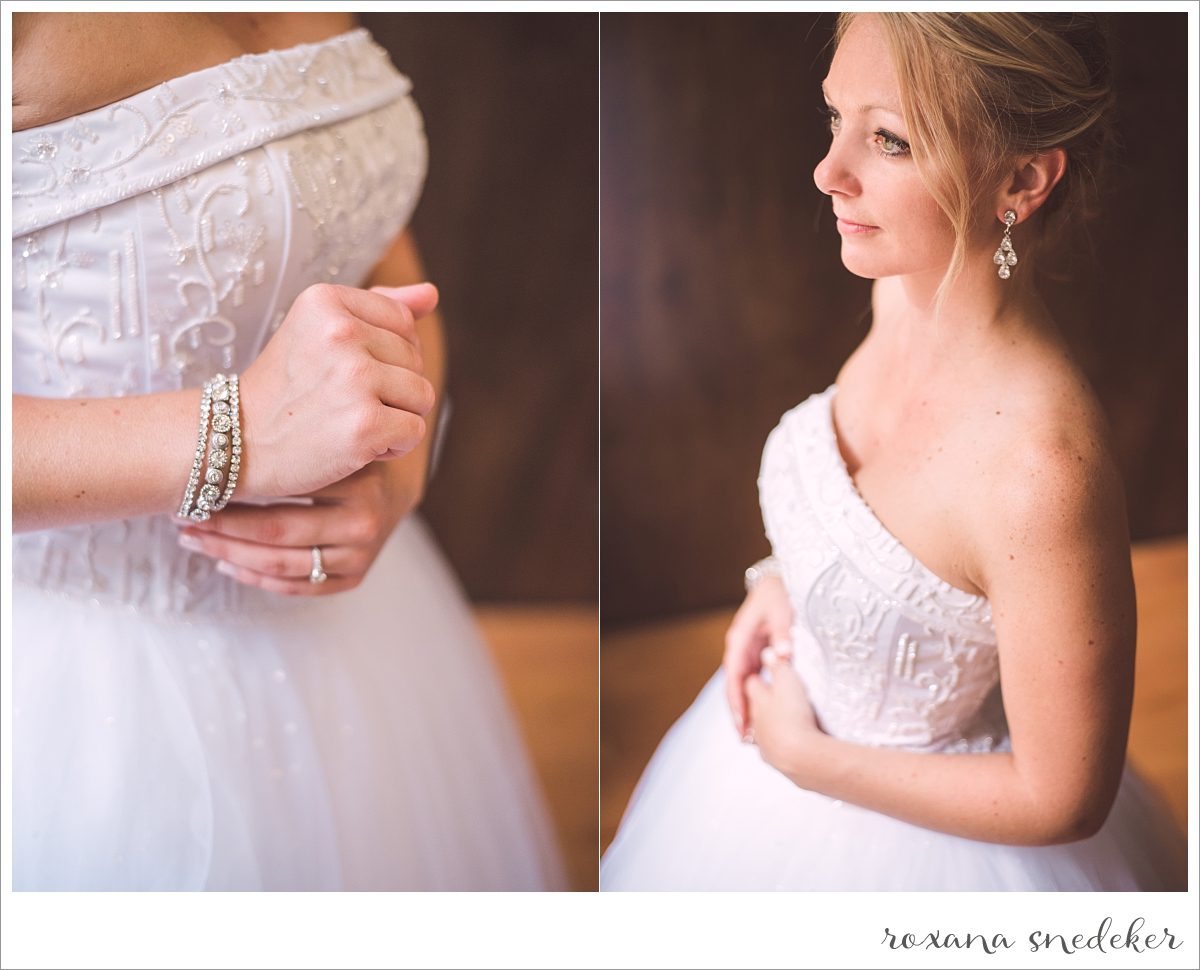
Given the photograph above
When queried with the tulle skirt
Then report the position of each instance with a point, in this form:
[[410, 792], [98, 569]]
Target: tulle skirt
[[709, 814], [354, 741]]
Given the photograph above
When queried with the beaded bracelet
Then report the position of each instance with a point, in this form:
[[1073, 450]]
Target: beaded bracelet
[[220, 399], [761, 570]]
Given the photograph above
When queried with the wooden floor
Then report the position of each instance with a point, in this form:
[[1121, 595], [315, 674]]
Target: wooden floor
[[548, 658], [651, 673], [1158, 734]]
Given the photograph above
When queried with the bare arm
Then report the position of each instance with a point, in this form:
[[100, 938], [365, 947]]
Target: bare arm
[[88, 460], [78, 461], [1053, 552]]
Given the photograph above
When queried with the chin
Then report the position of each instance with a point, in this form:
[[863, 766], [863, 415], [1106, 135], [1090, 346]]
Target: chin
[[863, 273], [876, 265], [867, 268], [868, 262]]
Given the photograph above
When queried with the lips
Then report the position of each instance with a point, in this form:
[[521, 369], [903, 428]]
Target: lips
[[854, 223], [847, 228]]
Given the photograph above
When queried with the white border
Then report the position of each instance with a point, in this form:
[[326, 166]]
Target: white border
[[581, 929]]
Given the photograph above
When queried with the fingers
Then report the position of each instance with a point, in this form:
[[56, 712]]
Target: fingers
[[404, 389], [389, 348], [420, 298], [279, 569], [756, 691], [395, 432], [288, 587], [741, 647], [737, 702], [779, 628], [378, 310], [777, 655], [282, 525], [282, 562], [756, 694]]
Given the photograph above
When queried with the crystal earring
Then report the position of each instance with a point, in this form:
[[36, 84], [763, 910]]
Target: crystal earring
[[1005, 257]]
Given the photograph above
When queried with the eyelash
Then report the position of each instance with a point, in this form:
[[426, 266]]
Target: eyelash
[[832, 117]]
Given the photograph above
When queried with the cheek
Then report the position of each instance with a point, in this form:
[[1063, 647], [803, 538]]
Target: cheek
[[925, 230], [916, 238]]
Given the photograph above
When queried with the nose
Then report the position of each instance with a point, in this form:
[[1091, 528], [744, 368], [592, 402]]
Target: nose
[[833, 175]]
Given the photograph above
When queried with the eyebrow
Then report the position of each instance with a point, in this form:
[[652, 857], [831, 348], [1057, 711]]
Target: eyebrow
[[864, 108]]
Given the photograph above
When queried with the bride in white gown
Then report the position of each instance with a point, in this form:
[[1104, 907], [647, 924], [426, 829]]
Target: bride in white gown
[[866, 664], [183, 726]]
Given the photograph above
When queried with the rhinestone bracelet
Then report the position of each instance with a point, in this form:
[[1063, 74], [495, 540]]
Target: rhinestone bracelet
[[761, 570], [220, 398], [198, 462]]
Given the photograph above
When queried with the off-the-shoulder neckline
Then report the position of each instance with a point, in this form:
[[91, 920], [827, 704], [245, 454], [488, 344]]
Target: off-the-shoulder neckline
[[239, 59]]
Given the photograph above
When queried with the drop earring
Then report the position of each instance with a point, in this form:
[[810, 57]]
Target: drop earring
[[1005, 257]]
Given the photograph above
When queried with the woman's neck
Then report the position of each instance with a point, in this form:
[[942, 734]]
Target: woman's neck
[[977, 309]]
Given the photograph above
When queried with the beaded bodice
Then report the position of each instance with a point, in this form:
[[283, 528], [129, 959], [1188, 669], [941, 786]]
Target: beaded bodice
[[163, 238], [891, 654]]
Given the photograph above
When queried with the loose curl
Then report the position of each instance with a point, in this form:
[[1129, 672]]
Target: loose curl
[[979, 90]]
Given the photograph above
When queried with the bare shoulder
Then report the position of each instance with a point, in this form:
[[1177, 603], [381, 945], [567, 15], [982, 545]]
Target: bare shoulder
[[67, 63], [1052, 487], [258, 32]]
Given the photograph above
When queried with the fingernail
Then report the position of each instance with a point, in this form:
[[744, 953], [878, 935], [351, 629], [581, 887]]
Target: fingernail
[[226, 568], [190, 542], [392, 291]]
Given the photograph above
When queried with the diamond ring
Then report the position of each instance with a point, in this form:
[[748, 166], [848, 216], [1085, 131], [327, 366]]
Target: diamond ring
[[318, 574]]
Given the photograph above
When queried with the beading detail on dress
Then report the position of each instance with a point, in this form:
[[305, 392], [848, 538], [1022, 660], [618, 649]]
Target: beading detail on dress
[[891, 653], [161, 239], [179, 127]]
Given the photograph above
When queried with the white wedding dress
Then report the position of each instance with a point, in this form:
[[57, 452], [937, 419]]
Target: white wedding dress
[[173, 729], [891, 655]]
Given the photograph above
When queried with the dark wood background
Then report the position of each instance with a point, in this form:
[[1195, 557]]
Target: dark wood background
[[507, 229], [724, 301]]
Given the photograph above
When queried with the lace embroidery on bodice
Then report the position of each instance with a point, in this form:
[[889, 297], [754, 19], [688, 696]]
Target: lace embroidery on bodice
[[891, 653], [163, 238]]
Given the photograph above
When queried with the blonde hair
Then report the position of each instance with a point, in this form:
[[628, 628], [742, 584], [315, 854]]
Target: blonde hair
[[1022, 84]]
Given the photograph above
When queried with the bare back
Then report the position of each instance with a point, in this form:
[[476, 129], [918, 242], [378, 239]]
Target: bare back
[[68, 63]]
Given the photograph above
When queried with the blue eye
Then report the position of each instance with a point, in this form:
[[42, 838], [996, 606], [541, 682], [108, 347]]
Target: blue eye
[[889, 145]]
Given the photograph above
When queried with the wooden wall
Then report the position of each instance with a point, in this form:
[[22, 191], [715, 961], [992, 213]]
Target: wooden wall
[[507, 228], [724, 301]]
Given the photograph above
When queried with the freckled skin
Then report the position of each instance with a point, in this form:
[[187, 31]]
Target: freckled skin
[[67, 63], [1023, 502]]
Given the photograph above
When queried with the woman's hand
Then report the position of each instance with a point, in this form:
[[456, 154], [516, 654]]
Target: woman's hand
[[271, 548], [764, 620], [782, 723], [339, 385]]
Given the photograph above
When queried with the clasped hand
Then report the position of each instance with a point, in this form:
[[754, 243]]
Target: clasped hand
[[271, 547], [352, 514], [768, 699]]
